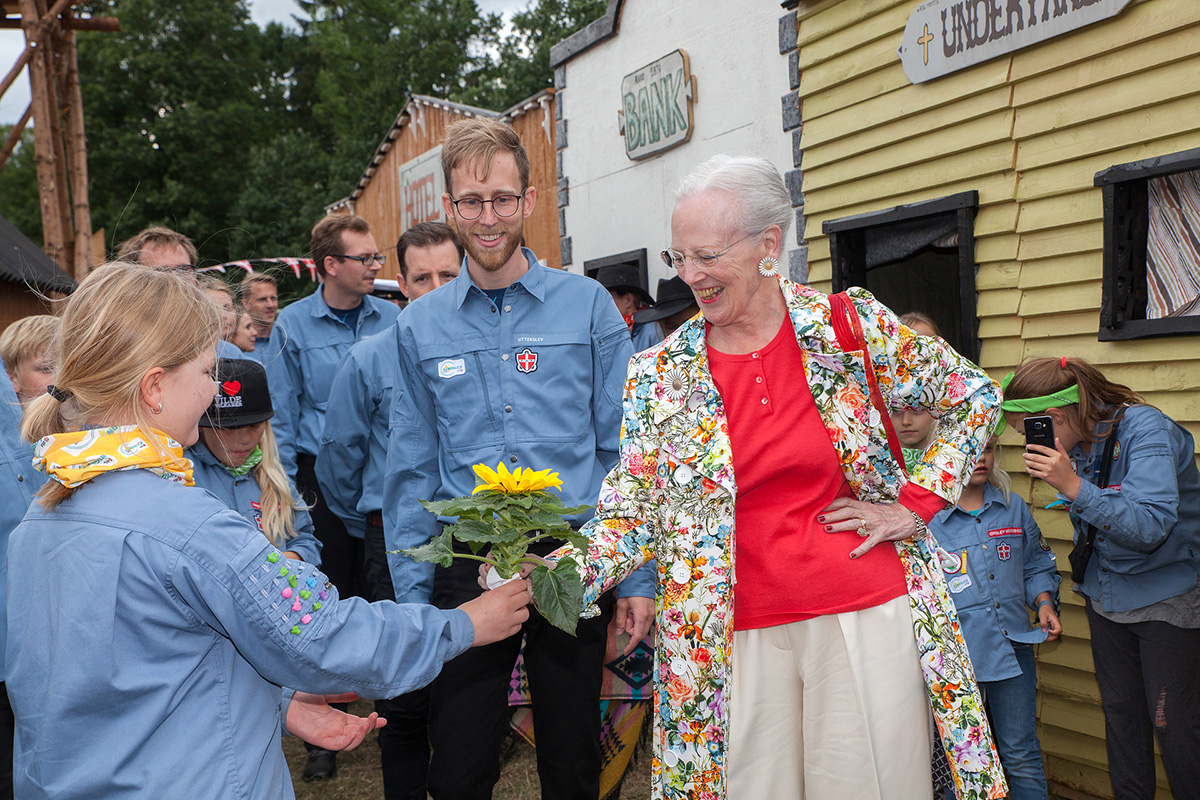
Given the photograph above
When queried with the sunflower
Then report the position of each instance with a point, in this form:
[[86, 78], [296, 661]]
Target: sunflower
[[515, 482]]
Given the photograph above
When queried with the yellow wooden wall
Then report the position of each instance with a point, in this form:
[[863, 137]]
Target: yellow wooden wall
[[1028, 131]]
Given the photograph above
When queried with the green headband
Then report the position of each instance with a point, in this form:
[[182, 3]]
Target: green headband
[[1033, 405]]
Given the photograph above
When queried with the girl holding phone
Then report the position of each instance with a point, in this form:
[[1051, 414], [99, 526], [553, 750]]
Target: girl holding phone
[[1128, 474]]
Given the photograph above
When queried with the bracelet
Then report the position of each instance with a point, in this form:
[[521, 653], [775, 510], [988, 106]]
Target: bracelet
[[1046, 603], [922, 528]]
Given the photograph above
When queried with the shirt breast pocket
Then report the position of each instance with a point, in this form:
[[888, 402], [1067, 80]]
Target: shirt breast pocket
[[317, 368], [464, 398], [552, 385]]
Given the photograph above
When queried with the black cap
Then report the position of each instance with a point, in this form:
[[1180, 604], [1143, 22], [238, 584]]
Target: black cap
[[673, 296], [242, 396], [623, 278]]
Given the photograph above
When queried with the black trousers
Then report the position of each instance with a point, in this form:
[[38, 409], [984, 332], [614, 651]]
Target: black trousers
[[404, 741], [469, 706], [341, 553], [1149, 676]]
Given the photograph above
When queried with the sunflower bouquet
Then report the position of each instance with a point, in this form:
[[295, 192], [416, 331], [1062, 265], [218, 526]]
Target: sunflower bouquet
[[506, 513]]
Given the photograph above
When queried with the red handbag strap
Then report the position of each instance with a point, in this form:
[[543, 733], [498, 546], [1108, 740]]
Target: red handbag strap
[[848, 328]]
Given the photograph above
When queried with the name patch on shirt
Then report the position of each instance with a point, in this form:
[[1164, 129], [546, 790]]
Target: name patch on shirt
[[1014, 531], [451, 367], [229, 402]]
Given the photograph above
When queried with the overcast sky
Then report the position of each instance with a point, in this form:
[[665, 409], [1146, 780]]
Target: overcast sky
[[13, 104]]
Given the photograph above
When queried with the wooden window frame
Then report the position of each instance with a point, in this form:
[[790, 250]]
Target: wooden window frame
[[846, 249], [1124, 296]]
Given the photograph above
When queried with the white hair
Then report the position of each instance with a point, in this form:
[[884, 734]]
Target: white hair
[[762, 199]]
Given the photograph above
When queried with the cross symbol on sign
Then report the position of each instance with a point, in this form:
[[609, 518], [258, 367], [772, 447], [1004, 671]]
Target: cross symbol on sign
[[924, 42], [527, 360]]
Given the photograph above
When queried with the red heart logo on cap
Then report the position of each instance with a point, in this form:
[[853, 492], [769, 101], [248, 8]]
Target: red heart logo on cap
[[231, 387]]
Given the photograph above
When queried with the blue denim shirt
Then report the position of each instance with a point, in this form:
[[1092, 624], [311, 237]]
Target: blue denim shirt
[[996, 563], [353, 455], [535, 384], [151, 635], [243, 494], [310, 341], [19, 482], [1148, 517], [645, 335], [227, 349]]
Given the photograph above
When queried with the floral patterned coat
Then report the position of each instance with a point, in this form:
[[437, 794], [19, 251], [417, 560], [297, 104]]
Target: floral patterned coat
[[672, 496]]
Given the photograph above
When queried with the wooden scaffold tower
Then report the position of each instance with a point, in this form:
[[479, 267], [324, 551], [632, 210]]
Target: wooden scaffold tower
[[56, 108]]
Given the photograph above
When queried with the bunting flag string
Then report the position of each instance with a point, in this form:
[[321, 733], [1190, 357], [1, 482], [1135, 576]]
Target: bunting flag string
[[293, 263]]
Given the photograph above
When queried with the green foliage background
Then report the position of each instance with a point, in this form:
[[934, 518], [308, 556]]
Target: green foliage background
[[239, 136]]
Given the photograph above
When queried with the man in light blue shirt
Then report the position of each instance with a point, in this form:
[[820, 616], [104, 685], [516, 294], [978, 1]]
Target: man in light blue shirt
[[515, 363], [351, 467], [259, 293], [308, 341]]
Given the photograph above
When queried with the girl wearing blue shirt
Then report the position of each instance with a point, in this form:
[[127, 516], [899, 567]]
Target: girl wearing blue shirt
[[997, 566], [150, 626], [237, 461], [1136, 559]]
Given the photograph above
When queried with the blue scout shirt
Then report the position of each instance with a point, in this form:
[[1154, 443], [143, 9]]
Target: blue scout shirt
[[243, 494], [19, 482], [1148, 517], [154, 621], [311, 340], [536, 384], [353, 455], [996, 564], [227, 349], [645, 335]]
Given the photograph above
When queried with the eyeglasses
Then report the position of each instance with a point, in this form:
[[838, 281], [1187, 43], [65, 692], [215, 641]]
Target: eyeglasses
[[703, 261], [366, 261], [505, 205]]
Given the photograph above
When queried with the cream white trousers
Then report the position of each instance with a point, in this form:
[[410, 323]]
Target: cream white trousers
[[830, 708]]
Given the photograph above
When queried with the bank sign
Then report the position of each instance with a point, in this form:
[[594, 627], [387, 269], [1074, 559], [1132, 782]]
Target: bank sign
[[421, 187], [656, 100], [944, 36]]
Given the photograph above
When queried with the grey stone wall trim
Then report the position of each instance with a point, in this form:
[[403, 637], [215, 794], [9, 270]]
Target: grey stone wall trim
[[604, 28], [564, 250], [788, 33]]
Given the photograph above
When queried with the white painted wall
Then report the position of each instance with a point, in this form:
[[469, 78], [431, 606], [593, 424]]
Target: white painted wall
[[733, 45]]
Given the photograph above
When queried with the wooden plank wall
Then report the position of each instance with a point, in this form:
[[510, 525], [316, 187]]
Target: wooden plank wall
[[18, 302], [1029, 132], [379, 202]]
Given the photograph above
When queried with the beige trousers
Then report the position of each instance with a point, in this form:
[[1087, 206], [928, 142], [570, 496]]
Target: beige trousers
[[831, 708]]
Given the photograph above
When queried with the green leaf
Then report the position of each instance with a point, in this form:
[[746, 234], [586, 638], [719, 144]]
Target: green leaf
[[471, 530], [455, 507], [438, 550], [558, 594], [579, 540]]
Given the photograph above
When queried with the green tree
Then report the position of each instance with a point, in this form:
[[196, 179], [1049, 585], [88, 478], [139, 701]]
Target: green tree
[[521, 65], [19, 202]]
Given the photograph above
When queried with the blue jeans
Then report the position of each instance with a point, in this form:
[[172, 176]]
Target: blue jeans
[[1012, 706]]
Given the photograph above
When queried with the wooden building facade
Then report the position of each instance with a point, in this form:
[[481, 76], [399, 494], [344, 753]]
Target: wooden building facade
[[1009, 198], [403, 184]]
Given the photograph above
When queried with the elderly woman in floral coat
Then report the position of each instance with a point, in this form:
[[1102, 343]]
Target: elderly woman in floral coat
[[750, 438]]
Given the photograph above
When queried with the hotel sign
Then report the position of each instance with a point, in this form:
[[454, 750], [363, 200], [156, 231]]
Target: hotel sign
[[656, 101], [944, 36], [421, 188]]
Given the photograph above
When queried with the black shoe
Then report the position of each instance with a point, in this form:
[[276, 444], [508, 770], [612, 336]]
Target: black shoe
[[321, 765]]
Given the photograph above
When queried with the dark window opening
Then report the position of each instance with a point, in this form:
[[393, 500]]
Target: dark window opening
[[1151, 247], [917, 257]]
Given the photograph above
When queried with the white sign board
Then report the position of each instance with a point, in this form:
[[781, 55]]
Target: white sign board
[[421, 188], [656, 101], [944, 36]]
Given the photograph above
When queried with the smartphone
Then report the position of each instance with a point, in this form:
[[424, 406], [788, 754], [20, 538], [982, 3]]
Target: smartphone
[[1039, 430]]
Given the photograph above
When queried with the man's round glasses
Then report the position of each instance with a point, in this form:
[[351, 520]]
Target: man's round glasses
[[702, 261], [505, 205], [366, 261]]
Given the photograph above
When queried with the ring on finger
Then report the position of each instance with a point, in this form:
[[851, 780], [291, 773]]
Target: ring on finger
[[862, 528]]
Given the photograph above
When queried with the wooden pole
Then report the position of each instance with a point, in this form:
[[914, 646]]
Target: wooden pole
[[14, 135], [51, 55], [32, 39], [103, 24], [77, 159], [43, 144]]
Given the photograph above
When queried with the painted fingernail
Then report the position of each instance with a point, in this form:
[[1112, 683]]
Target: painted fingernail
[[829, 529], [820, 519], [852, 555]]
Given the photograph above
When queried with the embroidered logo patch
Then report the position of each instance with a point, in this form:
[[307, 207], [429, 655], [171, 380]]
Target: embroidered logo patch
[[527, 361], [231, 387], [1004, 551], [1004, 532], [451, 367]]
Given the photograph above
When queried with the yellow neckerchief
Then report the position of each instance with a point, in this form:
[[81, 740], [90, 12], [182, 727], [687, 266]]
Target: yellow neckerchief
[[76, 457]]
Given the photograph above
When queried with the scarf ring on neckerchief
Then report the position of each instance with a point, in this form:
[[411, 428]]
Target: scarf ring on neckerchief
[[75, 457]]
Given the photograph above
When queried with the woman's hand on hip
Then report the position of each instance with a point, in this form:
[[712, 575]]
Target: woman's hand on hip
[[874, 522]]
